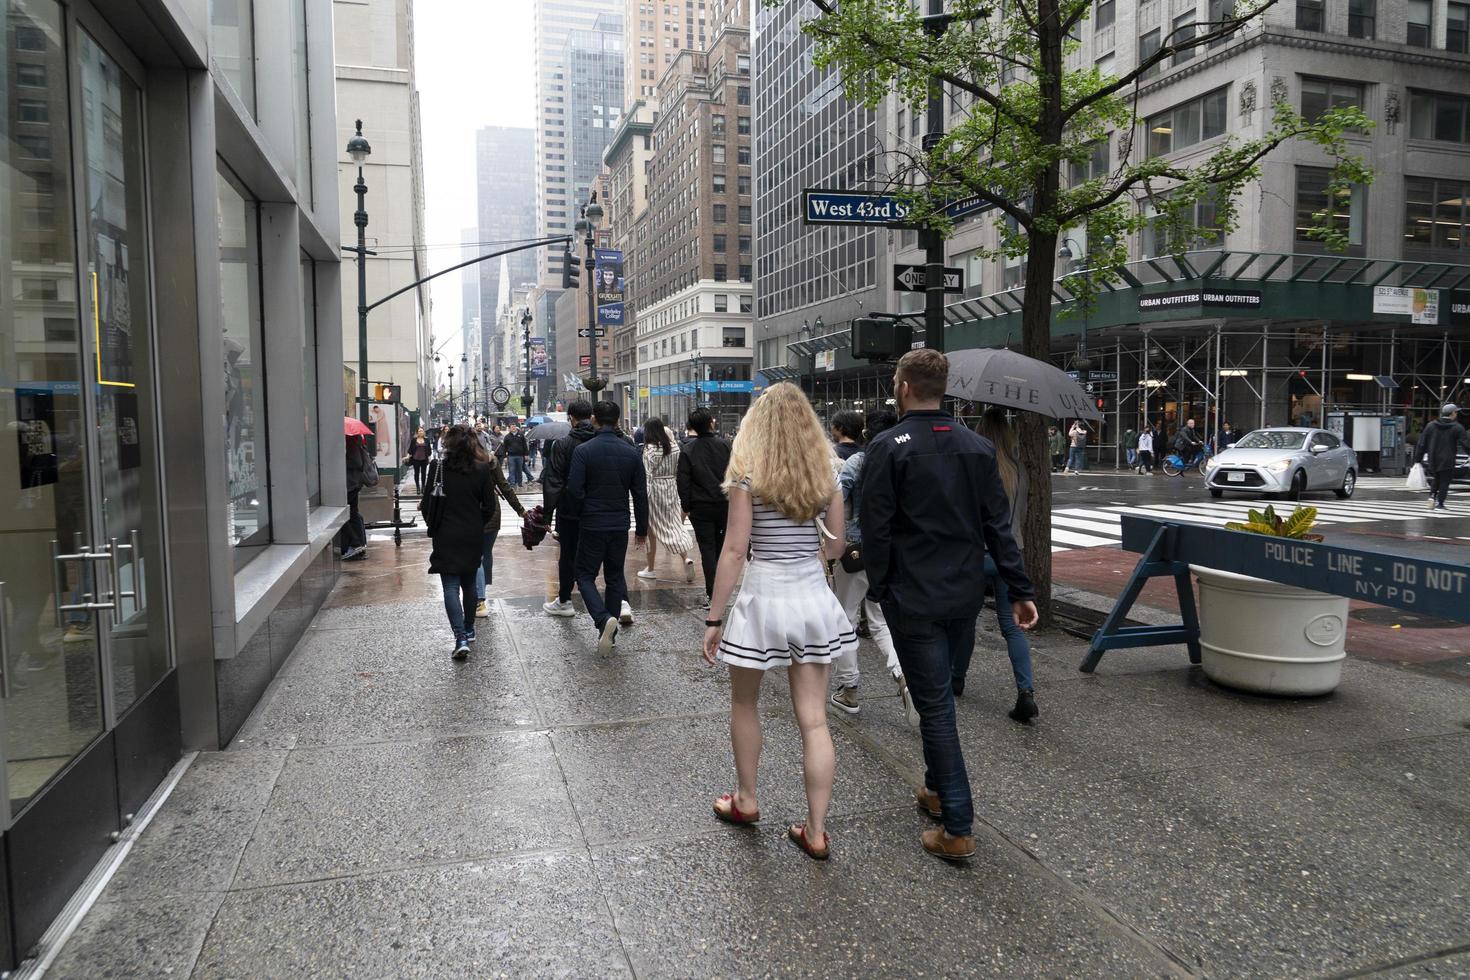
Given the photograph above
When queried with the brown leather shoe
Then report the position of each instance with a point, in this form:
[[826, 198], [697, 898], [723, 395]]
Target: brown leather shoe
[[937, 843], [928, 801]]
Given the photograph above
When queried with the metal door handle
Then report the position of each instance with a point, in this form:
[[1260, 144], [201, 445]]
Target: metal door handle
[[82, 554], [117, 594]]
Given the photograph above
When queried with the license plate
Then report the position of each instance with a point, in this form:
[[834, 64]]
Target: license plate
[[1235, 477]]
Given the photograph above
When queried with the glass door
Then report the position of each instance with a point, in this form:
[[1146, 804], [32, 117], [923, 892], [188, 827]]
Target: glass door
[[128, 523], [51, 581]]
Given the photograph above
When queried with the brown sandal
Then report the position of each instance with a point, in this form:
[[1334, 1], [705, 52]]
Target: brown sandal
[[796, 834], [732, 814]]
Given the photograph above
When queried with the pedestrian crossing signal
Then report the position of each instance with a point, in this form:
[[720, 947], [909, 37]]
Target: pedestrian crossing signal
[[389, 394], [570, 265]]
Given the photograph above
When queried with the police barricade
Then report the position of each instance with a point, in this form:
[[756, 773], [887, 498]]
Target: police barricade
[[1431, 588]]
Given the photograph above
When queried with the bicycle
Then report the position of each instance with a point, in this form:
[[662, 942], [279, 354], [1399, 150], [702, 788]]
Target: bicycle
[[1175, 465]]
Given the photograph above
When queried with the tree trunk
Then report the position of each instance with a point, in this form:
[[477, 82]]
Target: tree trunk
[[1035, 456]]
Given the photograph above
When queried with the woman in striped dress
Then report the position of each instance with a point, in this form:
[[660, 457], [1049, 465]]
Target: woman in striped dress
[[781, 491], [666, 517]]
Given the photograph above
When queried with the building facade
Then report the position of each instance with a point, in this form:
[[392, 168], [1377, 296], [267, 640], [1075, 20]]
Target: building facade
[[172, 362], [694, 262], [556, 202], [375, 83], [505, 169], [627, 159], [656, 33]]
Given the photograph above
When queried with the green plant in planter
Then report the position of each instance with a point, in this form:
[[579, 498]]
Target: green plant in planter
[[1298, 526]]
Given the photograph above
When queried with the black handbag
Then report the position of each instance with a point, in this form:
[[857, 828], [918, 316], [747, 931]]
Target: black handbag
[[852, 558]]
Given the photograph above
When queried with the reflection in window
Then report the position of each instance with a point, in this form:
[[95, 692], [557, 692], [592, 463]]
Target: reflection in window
[[232, 45], [1436, 213], [1347, 207], [239, 270]]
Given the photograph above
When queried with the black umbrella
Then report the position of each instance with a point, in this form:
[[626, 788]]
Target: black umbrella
[[547, 431], [1011, 380]]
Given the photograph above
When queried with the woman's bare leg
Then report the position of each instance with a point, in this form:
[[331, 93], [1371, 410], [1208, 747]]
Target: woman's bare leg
[[745, 733], [809, 700]]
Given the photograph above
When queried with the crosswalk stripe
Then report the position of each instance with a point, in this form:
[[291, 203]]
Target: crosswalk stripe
[[1077, 524], [1062, 536]]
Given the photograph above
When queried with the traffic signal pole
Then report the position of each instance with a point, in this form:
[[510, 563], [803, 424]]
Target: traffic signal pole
[[935, 24]]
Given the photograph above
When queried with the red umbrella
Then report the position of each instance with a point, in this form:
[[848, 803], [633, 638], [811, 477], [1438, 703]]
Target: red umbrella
[[355, 427]]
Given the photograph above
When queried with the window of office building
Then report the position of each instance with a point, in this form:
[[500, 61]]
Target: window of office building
[[745, 272], [1310, 15], [721, 272], [718, 212], [745, 303], [742, 156], [1436, 116], [1321, 94], [1457, 28], [1421, 23], [1348, 207], [742, 125], [1436, 213], [1183, 33], [1362, 18], [717, 183], [1196, 226], [745, 214], [1096, 165], [1104, 14], [1185, 125], [232, 45], [719, 244], [733, 337], [722, 303], [744, 244], [248, 516], [1148, 46]]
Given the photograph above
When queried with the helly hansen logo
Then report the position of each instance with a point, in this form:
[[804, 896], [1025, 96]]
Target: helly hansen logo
[[902, 439]]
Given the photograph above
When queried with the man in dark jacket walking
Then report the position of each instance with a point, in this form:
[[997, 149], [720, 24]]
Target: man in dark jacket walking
[[1440, 442], [932, 505], [513, 450], [606, 471], [554, 503], [702, 466]]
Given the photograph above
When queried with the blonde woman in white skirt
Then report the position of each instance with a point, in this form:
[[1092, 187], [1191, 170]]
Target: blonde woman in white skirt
[[782, 500], [665, 516]]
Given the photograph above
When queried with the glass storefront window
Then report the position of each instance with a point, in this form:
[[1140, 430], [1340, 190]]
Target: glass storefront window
[[245, 418], [232, 45], [308, 380]]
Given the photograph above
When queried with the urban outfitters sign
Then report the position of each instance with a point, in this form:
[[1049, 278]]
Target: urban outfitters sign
[[1460, 308], [1198, 300]]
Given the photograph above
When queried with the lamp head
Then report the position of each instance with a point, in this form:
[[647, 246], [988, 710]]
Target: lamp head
[[358, 147], [593, 211], [1065, 252]]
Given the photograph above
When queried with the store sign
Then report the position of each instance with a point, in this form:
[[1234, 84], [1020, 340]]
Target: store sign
[[1194, 300], [1419, 305], [824, 360], [1460, 308], [705, 387]]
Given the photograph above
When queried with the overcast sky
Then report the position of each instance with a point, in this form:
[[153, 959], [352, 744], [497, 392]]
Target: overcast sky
[[475, 68]]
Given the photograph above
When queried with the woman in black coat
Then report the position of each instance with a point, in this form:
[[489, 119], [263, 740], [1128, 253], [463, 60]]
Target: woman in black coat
[[457, 504]]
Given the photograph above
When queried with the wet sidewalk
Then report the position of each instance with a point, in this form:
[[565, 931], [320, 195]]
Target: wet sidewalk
[[542, 811]]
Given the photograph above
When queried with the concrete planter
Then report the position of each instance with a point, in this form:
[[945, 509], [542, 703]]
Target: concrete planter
[[1269, 638]]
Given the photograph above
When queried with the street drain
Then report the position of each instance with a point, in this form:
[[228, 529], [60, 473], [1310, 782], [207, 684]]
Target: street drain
[[1406, 620]]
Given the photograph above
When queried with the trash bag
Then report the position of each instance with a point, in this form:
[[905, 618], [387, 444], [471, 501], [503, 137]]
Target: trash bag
[[1416, 479]]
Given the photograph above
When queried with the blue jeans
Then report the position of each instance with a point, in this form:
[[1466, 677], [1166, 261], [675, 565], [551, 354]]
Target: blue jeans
[[1132, 458], [515, 470], [456, 586], [607, 550], [929, 650], [1076, 459], [485, 574], [1018, 648]]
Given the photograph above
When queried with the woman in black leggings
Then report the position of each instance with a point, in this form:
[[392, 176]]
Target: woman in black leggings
[[418, 455]]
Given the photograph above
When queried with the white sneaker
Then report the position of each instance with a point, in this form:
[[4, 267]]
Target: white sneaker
[[689, 570], [558, 608], [910, 710], [625, 615], [609, 636], [647, 573]]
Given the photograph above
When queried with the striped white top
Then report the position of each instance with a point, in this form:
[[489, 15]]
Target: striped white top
[[775, 537]]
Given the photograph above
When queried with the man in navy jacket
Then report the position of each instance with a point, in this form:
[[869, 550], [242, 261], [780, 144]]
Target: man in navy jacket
[[606, 470], [932, 503]]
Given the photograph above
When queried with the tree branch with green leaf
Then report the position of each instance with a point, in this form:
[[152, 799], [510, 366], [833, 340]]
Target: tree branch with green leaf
[[1026, 130]]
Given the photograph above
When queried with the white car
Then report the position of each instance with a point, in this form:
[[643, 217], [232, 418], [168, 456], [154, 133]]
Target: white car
[[1288, 461]]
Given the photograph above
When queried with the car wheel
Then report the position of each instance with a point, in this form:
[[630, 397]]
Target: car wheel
[[1349, 484], [1298, 485], [1217, 494]]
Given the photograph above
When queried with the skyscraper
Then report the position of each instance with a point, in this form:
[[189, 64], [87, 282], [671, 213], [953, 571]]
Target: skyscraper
[[654, 34], [505, 168], [555, 204]]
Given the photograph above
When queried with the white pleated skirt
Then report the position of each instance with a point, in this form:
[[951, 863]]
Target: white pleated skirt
[[785, 613]]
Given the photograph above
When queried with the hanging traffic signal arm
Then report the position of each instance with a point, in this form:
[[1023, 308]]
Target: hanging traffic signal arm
[[560, 239]]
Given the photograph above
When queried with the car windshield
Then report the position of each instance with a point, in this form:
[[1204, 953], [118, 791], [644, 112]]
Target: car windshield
[[1272, 439]]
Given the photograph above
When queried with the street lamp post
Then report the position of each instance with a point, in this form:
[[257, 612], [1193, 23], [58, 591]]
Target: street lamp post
[[526, 330], [1082, 363], [591, 214], [451, 394], [466, 381], [358, 150]]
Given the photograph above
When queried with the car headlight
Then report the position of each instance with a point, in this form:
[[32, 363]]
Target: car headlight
[[1280, 466], [1212, 463]]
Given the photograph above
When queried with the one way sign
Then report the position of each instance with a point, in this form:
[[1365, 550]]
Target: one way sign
[[910, 279]]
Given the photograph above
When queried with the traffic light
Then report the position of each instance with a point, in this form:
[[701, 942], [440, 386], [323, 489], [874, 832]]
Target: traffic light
[[569, 266]]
